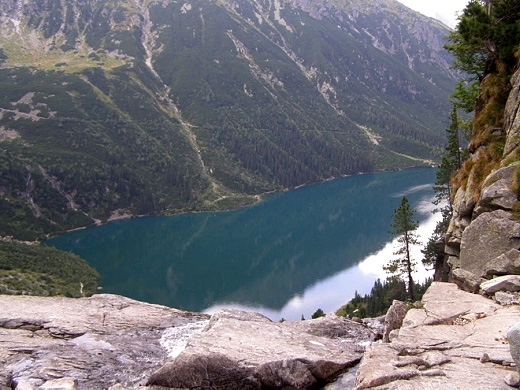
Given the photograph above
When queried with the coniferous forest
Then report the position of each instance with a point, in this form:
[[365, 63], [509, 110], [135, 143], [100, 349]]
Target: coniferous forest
[[153, 108]]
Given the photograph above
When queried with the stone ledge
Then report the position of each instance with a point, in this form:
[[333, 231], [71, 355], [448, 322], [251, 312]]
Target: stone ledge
[[93, 343], [456, 341], [252, 352]]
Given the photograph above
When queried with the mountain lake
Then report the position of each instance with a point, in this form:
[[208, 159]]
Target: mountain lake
[[285, 256]]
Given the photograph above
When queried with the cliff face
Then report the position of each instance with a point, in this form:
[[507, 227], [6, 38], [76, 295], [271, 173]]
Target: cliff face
[[483, 238], [87, 343]]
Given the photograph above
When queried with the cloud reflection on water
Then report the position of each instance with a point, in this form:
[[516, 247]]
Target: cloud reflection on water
[[331, 293]]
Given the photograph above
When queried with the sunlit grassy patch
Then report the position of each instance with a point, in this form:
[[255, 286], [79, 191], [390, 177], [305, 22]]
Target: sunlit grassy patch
[[23, 54]]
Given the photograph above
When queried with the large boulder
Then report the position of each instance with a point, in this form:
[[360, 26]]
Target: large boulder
[[505, 264], [253, 352], [89, 343], [457, 340], [488, 236], [501, 283], [496, 191], [466, 280]]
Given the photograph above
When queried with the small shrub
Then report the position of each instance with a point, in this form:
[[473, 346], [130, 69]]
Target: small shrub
[[516, 181], [516, 211]]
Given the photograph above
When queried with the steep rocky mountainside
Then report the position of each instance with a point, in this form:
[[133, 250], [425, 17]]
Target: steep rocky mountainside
[[113, 108], [483, 239]]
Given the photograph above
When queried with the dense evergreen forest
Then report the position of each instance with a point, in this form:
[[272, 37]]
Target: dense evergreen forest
[[380, 298], [154, 108]]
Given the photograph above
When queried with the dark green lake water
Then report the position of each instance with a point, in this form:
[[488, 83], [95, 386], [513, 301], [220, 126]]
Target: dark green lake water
[[286, 256]]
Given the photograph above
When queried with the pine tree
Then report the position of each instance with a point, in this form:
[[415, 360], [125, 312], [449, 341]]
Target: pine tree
[[404, 227], [488, 30], [451, 162], [453, 151]]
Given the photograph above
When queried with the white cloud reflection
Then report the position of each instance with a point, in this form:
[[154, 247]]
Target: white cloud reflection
[[331, 293], [373, 264]]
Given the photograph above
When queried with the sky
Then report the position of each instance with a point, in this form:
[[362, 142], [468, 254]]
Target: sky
[[443, 10]]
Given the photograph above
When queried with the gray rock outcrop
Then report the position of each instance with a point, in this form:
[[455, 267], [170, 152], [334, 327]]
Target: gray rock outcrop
[[483, 238], [512, 117], [466, 280], [249, 351], [88, 343], [394, 318], [496, 191], [457, 340], [505, 264], [489, 235], [501, 283], [111, 342]]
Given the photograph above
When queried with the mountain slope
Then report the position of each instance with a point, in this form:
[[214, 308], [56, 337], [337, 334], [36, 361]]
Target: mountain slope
[[148, 106]]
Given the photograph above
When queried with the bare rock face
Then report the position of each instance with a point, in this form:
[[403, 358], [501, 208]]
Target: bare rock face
[[466, 280], [252, 352], [505, 264], [112, 342], [496, 191], [489, 235], [89, 343], [501, 283], [483, 238], [512, 116], [456, 341]]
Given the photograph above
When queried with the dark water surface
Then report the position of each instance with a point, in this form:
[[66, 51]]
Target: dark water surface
[[286, 256]]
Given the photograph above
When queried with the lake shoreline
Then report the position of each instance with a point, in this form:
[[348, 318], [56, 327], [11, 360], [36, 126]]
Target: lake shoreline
[[269, 255], [124, 214]]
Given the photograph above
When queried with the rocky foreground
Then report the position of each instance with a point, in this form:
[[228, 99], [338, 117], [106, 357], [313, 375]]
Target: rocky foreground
[[93, 343], [109, 341], [456, 340]]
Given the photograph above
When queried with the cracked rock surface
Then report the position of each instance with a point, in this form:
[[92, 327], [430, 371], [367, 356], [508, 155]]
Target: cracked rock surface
[[457, 340], [93, 343], [242, 350], [112, 342]]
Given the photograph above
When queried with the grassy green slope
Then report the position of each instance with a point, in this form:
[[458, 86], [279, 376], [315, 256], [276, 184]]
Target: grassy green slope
[[103, 151], [39, 270]]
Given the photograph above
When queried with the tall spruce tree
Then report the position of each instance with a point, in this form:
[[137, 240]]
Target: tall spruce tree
[[450, 163], [488, 33], [453, 150], [404, 226], [488, 30]]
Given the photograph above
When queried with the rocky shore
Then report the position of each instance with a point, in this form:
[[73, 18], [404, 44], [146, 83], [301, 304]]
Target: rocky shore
[[455, 340]]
